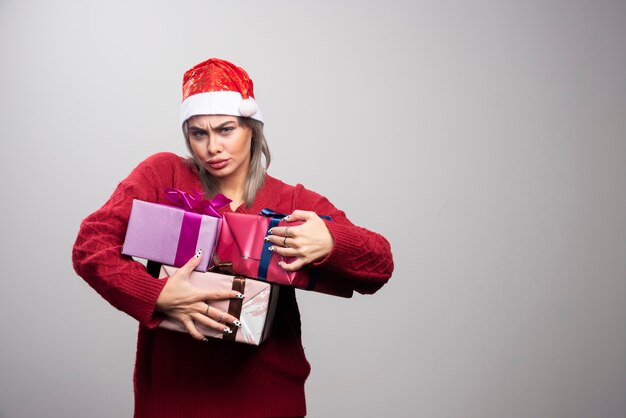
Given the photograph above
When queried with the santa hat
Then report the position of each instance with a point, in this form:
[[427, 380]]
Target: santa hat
[[217, 87]]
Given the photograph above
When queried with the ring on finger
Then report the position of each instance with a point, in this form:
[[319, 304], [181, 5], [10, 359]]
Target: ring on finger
[[286, 232], [285, 243], [207, 310], [221, 316]]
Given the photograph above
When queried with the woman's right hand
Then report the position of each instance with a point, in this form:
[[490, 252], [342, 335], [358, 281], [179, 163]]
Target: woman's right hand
[[185, 303]]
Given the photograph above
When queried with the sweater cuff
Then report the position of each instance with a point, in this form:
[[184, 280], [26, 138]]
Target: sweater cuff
[[147, 292]]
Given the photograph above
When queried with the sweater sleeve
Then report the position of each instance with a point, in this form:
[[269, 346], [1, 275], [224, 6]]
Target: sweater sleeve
[[97, 257], [360, 257]]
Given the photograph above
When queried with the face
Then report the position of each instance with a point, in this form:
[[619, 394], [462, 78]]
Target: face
[[221, 145]]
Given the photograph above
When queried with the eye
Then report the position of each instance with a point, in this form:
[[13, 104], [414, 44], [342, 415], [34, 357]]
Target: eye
[[198, 133], [226, 129]]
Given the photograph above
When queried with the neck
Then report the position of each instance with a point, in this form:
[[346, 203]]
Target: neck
[[233, 189]]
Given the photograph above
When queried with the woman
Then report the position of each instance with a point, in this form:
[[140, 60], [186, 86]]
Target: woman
[[180, 375]]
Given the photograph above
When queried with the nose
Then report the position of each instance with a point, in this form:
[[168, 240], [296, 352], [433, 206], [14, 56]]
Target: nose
[[214, 145]]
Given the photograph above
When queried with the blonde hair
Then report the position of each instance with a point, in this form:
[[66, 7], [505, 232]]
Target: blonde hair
[[256, 173]]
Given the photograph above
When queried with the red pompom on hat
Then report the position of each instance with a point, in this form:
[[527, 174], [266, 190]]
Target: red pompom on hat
[[218, 87]]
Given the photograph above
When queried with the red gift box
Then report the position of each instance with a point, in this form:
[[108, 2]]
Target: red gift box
[[242, 243]]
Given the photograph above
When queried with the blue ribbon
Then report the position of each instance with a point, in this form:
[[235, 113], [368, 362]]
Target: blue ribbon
[[266, 254], [280, 216]]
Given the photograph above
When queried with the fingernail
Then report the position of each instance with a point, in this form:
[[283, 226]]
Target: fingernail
[[198, 253], [270, 231], [271, 248], [237, 323], [281, 264], [266, 239], [286, 218], [205, 340], [228, 330], [240, 296]]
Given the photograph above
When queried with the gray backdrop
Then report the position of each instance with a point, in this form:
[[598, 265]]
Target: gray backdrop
[[485, 139]]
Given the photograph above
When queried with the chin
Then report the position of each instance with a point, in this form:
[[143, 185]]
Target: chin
[[219, 173]]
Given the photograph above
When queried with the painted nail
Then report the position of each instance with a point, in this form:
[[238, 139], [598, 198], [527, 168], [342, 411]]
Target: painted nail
[[270, 231], [240, 296], [237, 323], [198, 253], [228, 330], [266, 239], [271, 248], [286, 218], [205, 340]]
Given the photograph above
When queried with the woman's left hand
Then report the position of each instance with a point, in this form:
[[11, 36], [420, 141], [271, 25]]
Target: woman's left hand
[[307, 242]]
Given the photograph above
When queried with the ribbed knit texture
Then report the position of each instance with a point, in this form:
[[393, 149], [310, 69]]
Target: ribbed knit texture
[[177, 376]]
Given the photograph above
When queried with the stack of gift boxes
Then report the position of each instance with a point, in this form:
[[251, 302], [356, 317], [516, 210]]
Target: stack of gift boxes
[[235, 256]]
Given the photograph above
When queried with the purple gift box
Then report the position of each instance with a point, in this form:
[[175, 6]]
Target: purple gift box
[[172, 235]]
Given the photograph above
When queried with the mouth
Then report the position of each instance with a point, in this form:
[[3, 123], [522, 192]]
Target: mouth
[[216, 164]]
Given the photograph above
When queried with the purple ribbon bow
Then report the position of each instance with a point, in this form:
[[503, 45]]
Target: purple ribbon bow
[[196, 202], [193, 205]]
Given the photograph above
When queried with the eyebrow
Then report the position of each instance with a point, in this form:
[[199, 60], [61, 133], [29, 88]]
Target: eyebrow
[[221, 125]]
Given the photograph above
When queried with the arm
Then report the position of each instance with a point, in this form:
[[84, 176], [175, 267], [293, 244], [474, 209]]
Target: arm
[[124, 282], [97, 256], [339, 249]]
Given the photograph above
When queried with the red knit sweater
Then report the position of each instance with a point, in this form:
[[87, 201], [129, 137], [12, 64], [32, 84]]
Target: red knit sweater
[[177, 376]]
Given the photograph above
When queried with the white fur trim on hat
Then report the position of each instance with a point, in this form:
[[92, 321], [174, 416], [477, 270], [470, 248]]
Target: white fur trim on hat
[[219, 103]]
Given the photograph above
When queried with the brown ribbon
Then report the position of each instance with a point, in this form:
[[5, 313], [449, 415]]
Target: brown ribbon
[[224, 267], [239, 285], [235, 306]]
